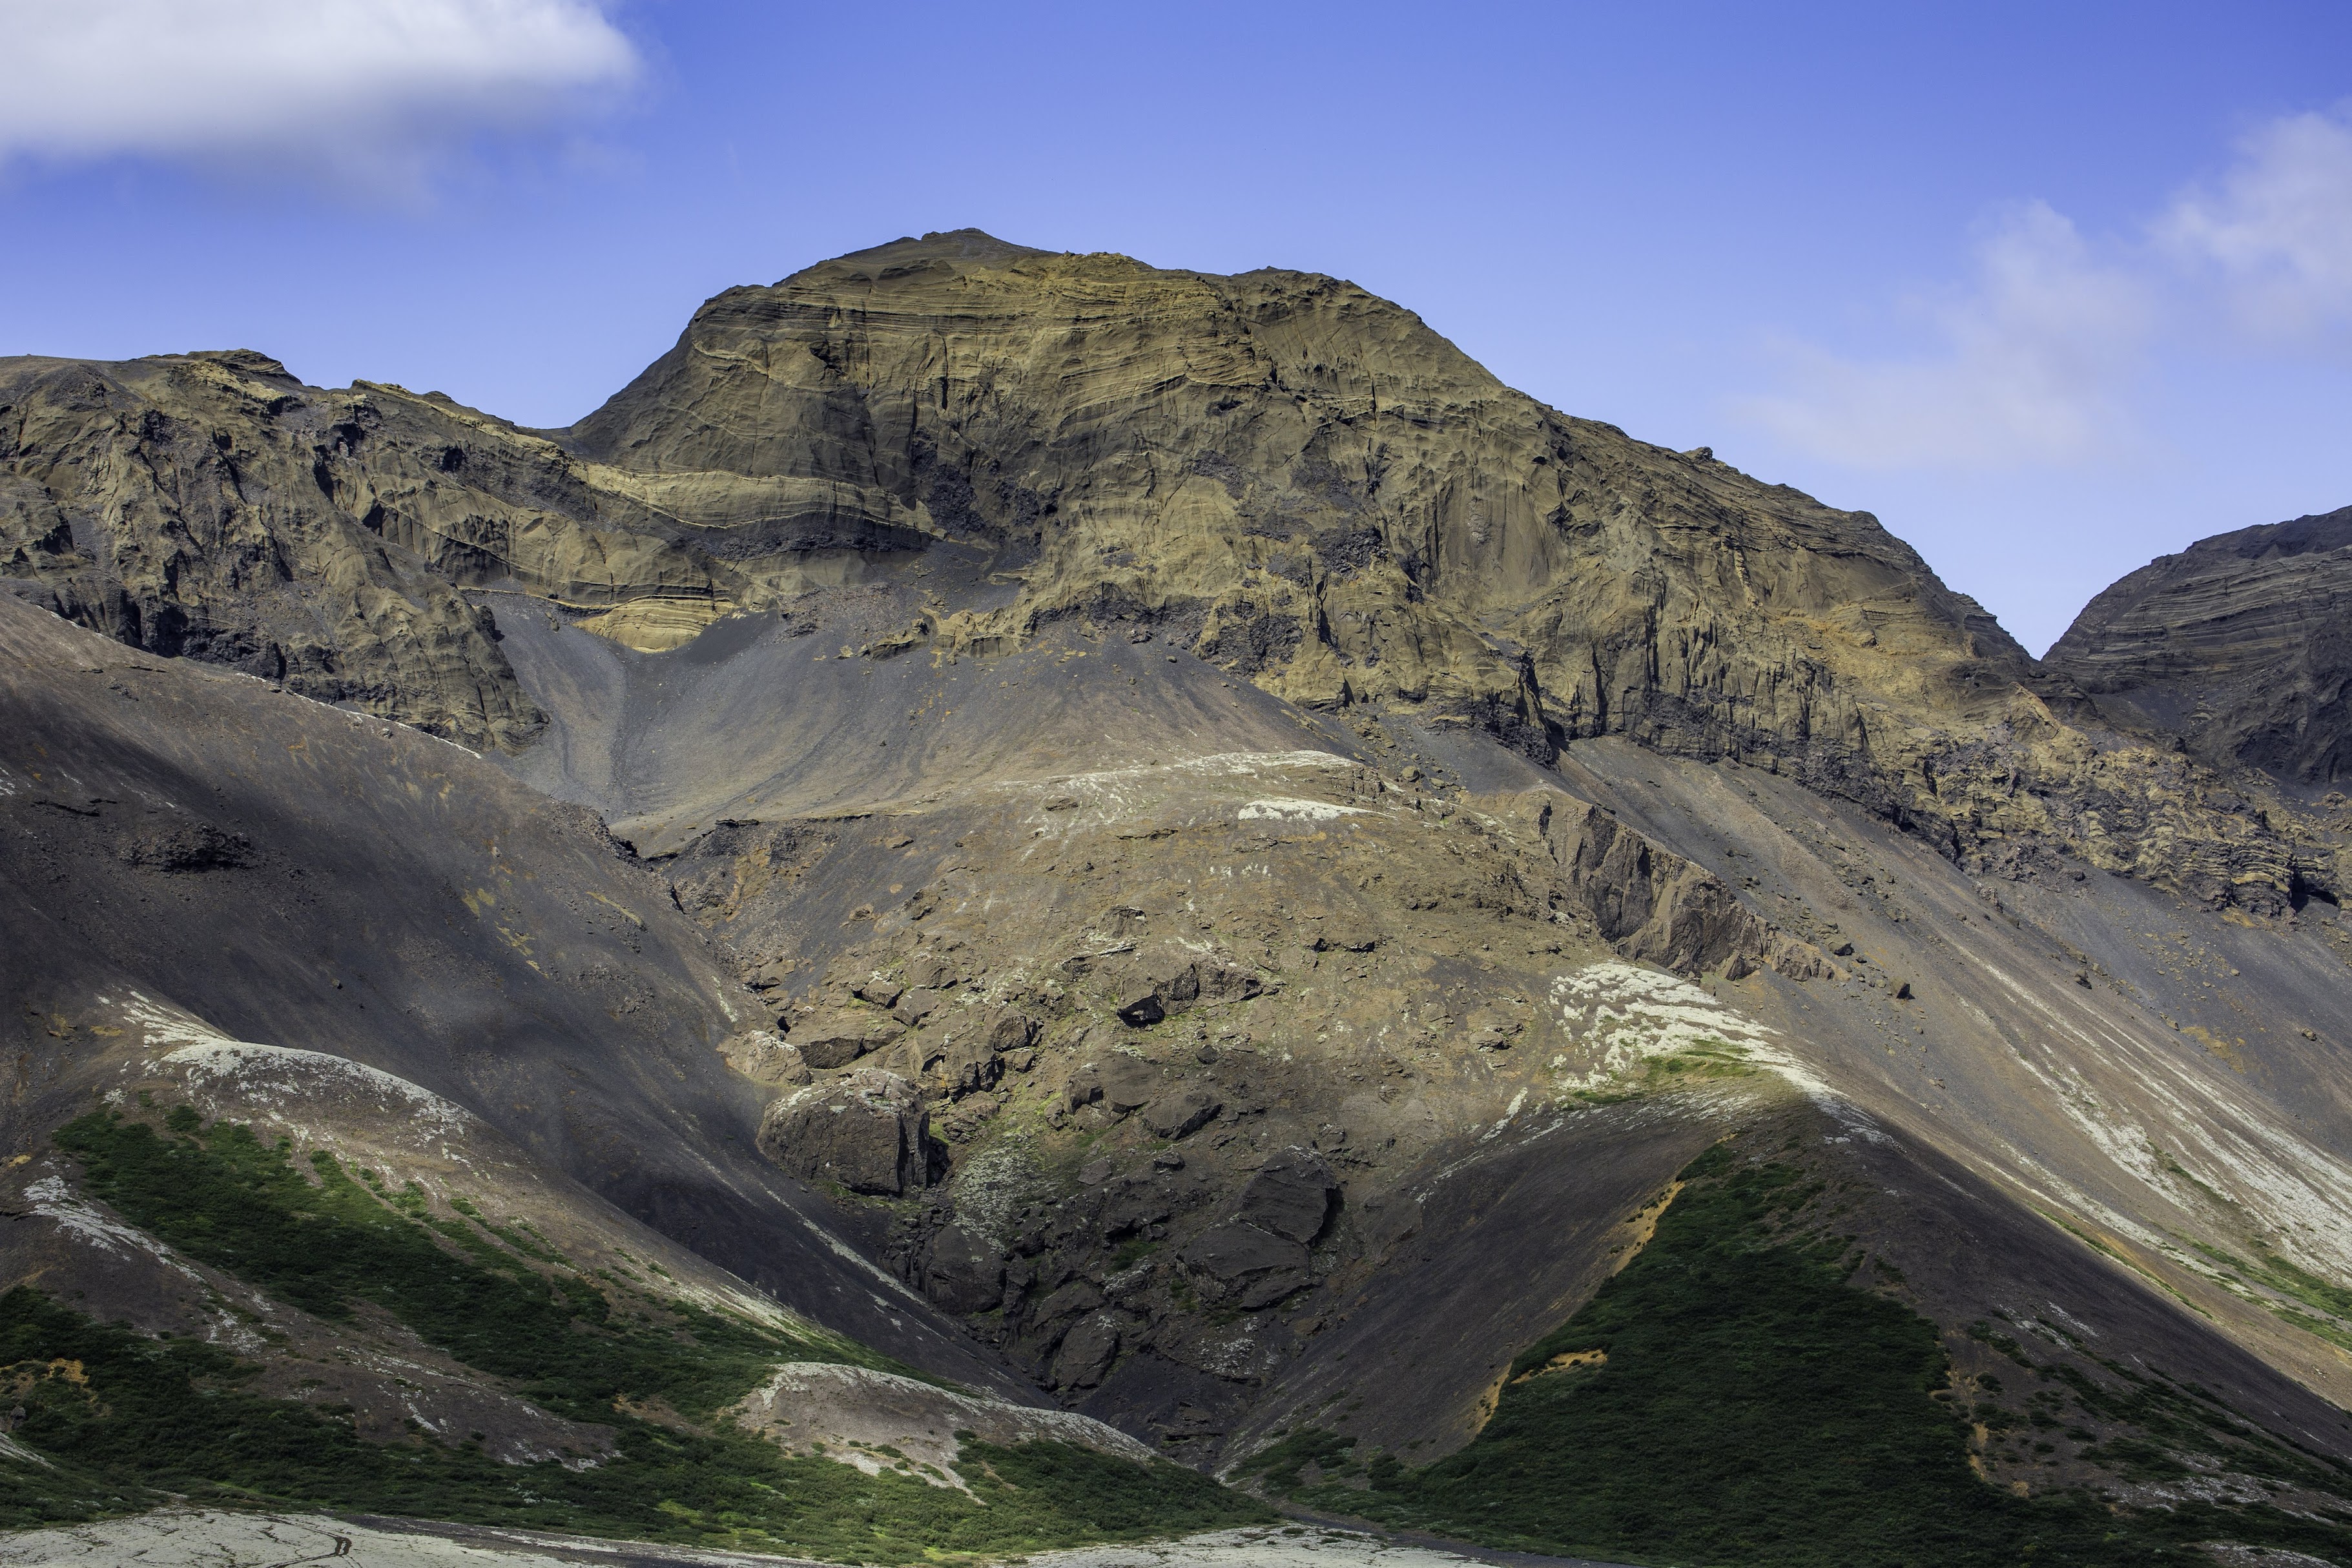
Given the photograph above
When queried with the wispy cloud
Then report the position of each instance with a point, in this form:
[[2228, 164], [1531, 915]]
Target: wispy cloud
[[2026, 370], [2040, 355], [2277, 228], [369, 92]]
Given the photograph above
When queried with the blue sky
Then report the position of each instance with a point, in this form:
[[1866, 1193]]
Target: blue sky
[[2051, 289]]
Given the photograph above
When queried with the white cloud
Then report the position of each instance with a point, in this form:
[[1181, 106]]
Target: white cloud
[[2279, 227], [366, 90], [2030, 369]]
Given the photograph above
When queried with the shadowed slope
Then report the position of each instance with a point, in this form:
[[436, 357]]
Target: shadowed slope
[[293, 874]]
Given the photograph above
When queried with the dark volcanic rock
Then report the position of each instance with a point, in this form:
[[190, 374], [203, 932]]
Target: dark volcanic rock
[[868, 1131], [171, 846], [1291, 1195], [2240, 645], [1087, 1350], [835, 1037], [1183, 1112], [1118, 1081], [1241, 1266], [1140, 1006], [965, 1274]]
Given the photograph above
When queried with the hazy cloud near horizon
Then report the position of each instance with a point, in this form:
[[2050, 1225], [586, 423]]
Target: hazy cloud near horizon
[[366, 94], [2034, 355], [2038, 356], [2278, 230]]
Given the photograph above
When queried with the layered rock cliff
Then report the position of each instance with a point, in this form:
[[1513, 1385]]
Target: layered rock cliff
[[1298, 481], [2239, 645]]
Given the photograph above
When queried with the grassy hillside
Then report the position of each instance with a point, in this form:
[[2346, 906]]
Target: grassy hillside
[[1731, 1398], [122, 1418]]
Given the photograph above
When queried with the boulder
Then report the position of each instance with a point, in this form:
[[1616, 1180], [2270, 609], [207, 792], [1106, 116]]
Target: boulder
[[1139, 1005], [969, 1064], [1239, 1265], [1174, 974], [1177, 1115], [914, 1007], [1137, 1202], [1120, 1082], [1292, 1195], [867, 1130], [1086, 1353], [964, 1273], [929, 972], [1128, 1084], [1010, 1031], [835, 1037], [764, 1057], [881, 993], [1077, 1296]]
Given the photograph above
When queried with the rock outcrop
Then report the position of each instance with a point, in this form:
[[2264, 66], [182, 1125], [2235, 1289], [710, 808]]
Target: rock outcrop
[[1277, 471], [2241, 645], [1263, 852], [867, 1132]]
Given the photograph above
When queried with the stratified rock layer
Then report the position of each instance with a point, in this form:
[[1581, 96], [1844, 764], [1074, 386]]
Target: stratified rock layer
[[2240, 645]]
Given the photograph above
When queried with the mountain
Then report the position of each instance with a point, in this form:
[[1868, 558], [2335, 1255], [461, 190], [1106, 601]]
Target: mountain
[[1163, 849], [2236, 644], [376, 1148]]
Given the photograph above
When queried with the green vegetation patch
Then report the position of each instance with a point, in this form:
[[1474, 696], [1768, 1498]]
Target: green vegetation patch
[[1703, 1060], [123, 1416], [323, 1241], [1728, 1398], [2330, 1314]]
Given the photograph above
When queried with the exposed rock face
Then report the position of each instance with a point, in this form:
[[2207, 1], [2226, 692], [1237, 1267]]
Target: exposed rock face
[[1292, 1195], [867, 1132], [964, 1273], [764, 1057], [1277, 471], [1368, 517], [2242, 645], [1320, 839], [1241, 1266], [212, 507], [833, 1037], [1655, 905], [1177, 1115]]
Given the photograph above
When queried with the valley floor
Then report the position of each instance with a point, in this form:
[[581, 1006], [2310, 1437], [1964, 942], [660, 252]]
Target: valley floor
[[206, 1538]]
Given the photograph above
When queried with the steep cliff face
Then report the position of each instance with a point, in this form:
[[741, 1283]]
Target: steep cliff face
[[1307, 487], [2239, 645]]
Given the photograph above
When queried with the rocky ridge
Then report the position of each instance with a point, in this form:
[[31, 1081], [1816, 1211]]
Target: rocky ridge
[[2236, 645], [1296, 480]]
